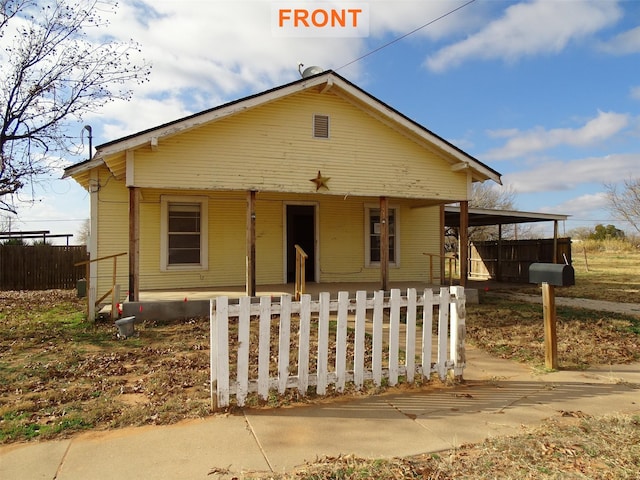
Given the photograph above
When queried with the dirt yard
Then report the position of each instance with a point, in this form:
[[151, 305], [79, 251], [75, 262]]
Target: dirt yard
[[60, 375]]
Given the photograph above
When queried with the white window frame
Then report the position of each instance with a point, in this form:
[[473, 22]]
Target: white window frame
[[165, 200], [393, 262]]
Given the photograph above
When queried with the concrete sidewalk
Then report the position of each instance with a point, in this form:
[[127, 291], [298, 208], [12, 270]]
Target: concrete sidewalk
[[497, 398]]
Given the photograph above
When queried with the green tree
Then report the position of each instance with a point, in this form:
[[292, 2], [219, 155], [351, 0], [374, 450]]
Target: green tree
[[51, 73], [604, 233]]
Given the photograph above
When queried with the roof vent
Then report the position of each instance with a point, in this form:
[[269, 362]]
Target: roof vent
[[310, 71]]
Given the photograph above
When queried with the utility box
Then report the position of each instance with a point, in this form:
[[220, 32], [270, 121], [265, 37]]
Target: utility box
[[81, 287], [556, 274]]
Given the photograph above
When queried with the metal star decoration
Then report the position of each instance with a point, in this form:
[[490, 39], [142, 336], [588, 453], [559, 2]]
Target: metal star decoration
[[320, 181]]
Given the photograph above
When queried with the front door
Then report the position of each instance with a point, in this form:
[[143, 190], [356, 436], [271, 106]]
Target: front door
[[301, 230]]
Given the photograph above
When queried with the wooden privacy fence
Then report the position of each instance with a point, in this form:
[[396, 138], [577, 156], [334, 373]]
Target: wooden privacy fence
[[509, 260], [40, 267], [267, 360]]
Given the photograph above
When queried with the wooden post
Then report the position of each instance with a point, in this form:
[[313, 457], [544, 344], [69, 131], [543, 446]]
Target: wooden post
[[464, 243], [550, 335], [115, 301], [499, 255], [384, 243], [134, 244], [555, 241], [251, 243]]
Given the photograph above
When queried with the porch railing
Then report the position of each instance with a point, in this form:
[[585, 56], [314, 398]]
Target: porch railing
[[301, 258], [114, 291]]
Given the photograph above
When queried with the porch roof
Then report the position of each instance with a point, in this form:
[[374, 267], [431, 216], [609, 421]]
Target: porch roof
[[484, 216]]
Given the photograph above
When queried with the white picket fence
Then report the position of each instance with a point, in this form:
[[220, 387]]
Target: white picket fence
[[449, 350]]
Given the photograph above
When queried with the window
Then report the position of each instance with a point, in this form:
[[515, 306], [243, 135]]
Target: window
[[321, 126], [183, 242], [373, 236]]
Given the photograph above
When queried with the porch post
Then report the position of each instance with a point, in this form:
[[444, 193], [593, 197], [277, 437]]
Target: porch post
[[464, 242], [499, 255], [134, 244], [251, 243], [384, 243]]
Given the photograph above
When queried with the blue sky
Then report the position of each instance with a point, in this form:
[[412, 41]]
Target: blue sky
[[547, 92]]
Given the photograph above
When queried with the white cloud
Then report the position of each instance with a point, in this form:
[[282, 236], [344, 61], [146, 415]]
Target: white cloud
[[583, 205], [624, 43], [527, 29], [635, 92], [568, 175], [598, 129], [404, 16]]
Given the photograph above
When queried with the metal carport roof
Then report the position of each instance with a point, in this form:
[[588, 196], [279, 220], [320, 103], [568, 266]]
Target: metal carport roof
[[484, 216]]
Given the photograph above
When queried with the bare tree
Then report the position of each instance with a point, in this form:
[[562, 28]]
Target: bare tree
[[51, 73], [484, 195], [624, 201], [84, 232]]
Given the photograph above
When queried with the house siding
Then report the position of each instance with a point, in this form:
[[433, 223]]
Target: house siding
[[271, 148], [340, 237]]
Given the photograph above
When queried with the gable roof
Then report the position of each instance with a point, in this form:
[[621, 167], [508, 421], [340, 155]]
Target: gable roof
[[325, 81]]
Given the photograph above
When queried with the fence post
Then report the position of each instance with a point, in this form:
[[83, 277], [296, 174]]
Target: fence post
[[394, 334], [458, 331], [443, 332], [427, 326]]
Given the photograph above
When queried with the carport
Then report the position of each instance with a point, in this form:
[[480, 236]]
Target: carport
[[508, 260]]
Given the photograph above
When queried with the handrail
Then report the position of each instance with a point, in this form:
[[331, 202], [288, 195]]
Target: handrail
[[449, 256], [113, 290], [301, 258]]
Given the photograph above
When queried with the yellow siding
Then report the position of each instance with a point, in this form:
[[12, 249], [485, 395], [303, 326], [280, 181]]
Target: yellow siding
[[271, 149], [341, 238], [113, 236]]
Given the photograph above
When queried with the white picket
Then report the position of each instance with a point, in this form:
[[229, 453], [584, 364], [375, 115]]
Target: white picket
[[284, 338], [443, 334], [359, 347], [341, 341], [410, 337], [222, 351], [376, 354], [244, 326], [303, 343], [394, 336], [451, 319], [323, 344], [427, 329], [264, 347], [458, 331]]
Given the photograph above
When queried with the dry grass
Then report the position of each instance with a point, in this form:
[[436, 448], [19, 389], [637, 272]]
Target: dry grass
[[60, 375], [611, 275], [514, 331]]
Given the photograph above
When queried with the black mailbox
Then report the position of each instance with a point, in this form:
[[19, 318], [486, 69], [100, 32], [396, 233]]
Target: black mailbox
[[557, 274]]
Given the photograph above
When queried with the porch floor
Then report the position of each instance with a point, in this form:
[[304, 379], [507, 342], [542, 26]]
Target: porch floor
[[274, 290]]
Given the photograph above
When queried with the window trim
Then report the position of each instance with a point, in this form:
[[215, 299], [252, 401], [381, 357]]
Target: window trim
[[393, 262], [165, 200]]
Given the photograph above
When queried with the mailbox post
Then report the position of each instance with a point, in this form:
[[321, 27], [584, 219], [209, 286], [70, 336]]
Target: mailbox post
[[550, 275]]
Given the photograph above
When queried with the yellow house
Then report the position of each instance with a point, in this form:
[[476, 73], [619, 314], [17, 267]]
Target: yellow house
[[221, 198]]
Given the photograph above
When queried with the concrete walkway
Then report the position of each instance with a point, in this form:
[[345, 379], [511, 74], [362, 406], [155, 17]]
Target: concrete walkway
[[598, 305], [498, 397]]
